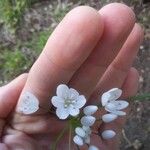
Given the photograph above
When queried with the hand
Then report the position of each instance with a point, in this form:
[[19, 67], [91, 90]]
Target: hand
[[90, 51]]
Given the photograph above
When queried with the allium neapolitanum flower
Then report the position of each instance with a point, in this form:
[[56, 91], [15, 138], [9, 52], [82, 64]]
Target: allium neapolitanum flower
[[82, 135], [108, 134], [111, 104], [92, 147], [67, 102], [88, 120]]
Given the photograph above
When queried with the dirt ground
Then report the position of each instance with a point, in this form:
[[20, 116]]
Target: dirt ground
[[136, 134]]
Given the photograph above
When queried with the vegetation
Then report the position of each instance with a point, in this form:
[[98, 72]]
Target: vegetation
[[11, 12], [13, 62], [22, 57], [19, 57]]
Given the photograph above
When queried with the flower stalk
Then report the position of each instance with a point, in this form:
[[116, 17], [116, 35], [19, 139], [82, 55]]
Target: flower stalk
[[141, 97], [69, 103]]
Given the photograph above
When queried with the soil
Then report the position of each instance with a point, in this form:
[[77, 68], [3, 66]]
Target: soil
[[136, 134]]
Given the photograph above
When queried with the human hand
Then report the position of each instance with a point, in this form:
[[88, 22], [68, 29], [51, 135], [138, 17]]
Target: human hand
[[90, 51]]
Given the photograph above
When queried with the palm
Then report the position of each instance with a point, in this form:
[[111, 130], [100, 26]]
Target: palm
[[46, 139], [47, 136], [89, 62]]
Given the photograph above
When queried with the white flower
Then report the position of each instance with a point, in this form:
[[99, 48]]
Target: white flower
[[82, 135], [111, 104], [87, 134], [28, 104], [80, 131], [111, 95], [108, 134], [92, 147], [88, 120], [90, 110], [78, 140], [68, 101], [109, 117]]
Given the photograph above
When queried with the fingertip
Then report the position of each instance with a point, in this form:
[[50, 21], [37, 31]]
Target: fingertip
[[86, 16], [134, 72], [9, 94], [139, 32], [23, 76], [16, 83], [121, 8], [78, 34], [119, 18], [131, 84]]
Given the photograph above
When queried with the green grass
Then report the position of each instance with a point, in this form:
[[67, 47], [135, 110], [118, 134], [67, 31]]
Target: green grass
[[59, 10], [14, 62], [21, 56], [38, 41], [12, 11]]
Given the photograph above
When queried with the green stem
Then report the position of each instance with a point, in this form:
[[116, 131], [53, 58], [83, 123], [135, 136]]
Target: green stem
[[70, 135], [88, 145], [141, 97], [54, 146], [78, 147]]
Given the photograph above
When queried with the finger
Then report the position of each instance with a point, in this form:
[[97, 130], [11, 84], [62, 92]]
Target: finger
[[131, 84], [38, 124], [9, 95], [119, 21], [66, 49], [129, 88], [117, 71], [3, 147]]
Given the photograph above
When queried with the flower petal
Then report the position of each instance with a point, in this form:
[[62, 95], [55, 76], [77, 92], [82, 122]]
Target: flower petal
[[62, 91], [121, 104], [116, 112], [88, 120], [62, 113], [79, 131], [115, 93], [28, 104], [78, 140], [109, 117], [111, 106], [57, 101], [73, 94], [111, 95], [108, 134], [87, 130], [80, 101], [119, 113], [73, 111], [92, 147], [105, 98], [87, 140], [90, 110]]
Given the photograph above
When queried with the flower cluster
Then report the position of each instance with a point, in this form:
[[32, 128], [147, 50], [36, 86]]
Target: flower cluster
[[114, 107], [68, 103], [83, 133]]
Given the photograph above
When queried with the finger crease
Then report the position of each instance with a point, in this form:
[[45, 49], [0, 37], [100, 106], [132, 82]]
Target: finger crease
[[55, 64]]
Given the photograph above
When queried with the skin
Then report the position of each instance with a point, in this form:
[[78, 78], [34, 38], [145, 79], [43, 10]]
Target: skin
[[91, 51]]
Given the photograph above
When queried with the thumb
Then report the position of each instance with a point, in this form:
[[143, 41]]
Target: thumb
[[9, 95]]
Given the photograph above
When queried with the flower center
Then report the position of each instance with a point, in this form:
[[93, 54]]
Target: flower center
[[69, 102]]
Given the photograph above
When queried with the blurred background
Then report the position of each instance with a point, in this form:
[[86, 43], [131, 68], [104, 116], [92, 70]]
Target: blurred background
[[25, 26]]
